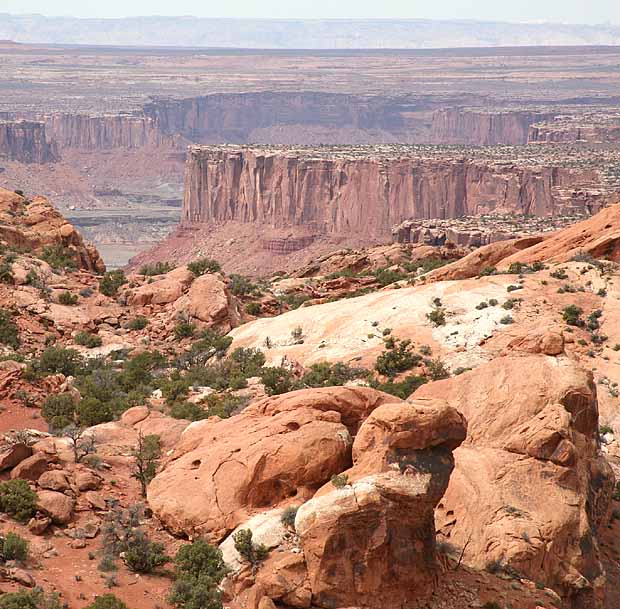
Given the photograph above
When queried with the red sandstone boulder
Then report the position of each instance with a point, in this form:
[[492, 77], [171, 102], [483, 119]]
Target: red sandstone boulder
[[371, 543], [12, 455], [208, 300], [57, 506], [169, 288], [281, 447], [530, 485], [30, 468]]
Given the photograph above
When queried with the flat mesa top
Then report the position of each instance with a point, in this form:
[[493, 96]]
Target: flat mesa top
[[558, 155]]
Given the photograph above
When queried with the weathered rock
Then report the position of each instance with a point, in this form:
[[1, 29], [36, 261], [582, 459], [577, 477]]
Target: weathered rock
[[13, 454], [169, 288], [57, 506], [371, 543], [87, 481], [54, 480], [208, 300], [530, 486], [38, 224], [39, 524], [232, 468], [31, 468]]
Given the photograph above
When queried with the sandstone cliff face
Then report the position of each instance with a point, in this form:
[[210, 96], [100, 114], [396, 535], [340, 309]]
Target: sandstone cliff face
[[552, 132], [103, 132], [232, 117], [367, 196], [26, 142], [482, 128]]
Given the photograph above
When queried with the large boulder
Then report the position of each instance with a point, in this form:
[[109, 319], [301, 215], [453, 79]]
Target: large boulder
[[208, 300], [57, 506], [371, 543], [276, 450], [530, 486], [164, 290]]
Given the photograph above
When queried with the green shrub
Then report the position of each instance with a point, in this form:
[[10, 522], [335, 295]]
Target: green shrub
[[199, 569], [67, 298], [58, 360], [210, 343], [184, 329], [9, 332], [388, 276], [402, 389], [437, 317], [253, 308], [324, 374], [437, 370], [91, 411], [17, 499], [339, 480], [223, 405], [187, 411], [59, 257], [514, 288], [242, 286], [200, 558], [278, 380], [159, 268], [107, 601], [137, 323], [59, 411], [572, 315], [204, 265], [509, 304], [145, 459], [34, 599], [294, 301], [288, 516], [507, 319], [88, 340], [488, 270], [6, 271], [111, 282], [559, 274], [397, 357], [248, 550], [143, 555], [13, 547]]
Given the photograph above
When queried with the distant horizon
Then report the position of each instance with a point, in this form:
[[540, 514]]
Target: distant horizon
[[284, 19], [565, 12]]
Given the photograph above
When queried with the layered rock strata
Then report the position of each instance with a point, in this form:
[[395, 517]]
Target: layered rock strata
[[367, 190], [26, 142]]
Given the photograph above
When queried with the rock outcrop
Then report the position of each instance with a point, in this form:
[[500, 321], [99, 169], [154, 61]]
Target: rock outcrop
[[26, 142], [530, 486], [35, 224], [482, 127], [276, 450], [366, 191], [372, 542], [596, 237], [104, 132]]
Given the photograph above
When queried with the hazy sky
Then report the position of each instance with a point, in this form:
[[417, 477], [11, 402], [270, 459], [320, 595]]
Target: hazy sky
[[569, 11]]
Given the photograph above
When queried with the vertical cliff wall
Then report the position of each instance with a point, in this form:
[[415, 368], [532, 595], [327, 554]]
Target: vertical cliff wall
[[483, 128], [572, 131], [358, 191], [103, 132], [26, 142], [232, 117]]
